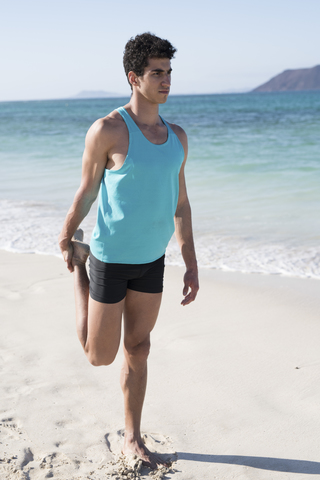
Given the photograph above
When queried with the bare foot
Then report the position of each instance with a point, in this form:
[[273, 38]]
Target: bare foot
[[138, 448], [80, 250]]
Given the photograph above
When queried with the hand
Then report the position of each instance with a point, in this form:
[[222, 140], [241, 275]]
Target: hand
[[191, 282], [67, 253]]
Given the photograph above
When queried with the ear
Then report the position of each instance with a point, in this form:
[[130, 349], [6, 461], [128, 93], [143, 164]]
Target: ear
[[133, 78]]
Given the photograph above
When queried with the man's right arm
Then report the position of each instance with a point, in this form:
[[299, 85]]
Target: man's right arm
[[93, 165]]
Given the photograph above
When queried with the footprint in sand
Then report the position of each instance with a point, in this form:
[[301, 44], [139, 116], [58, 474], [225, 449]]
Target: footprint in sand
[[131, 467], [15, 452]]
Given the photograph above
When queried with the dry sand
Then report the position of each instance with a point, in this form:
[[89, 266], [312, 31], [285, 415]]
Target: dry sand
[[234, 380]]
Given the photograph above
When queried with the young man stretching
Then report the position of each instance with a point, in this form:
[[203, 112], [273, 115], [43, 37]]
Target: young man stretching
[[137, 160]]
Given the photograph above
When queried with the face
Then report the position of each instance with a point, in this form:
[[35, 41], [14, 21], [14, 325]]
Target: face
[[155, 83]]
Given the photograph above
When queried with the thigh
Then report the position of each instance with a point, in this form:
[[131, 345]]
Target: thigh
[[108, 281], [104, 327], [150, 278], [140, 315]]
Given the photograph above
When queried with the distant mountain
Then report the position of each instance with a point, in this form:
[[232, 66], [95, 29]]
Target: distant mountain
[[293, 80], [96, 94]]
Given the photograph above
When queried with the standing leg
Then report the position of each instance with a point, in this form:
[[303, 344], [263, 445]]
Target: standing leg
[[140, 315]]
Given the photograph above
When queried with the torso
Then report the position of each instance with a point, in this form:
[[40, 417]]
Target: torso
[[139, 189]]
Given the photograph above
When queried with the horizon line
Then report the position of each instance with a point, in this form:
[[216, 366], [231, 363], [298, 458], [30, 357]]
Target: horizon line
[[125, 96]]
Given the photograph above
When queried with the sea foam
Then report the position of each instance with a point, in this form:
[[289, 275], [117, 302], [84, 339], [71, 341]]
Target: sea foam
[[30, 227]]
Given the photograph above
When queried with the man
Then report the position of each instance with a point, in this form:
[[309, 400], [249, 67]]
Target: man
[[136, 160]]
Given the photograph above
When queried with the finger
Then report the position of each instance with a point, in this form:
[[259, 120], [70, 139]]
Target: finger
[[185, 301], [69, 261], [67, 257], [70, 267], [190, 297]]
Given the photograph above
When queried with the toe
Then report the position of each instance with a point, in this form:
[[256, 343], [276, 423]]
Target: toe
[[78, 235]]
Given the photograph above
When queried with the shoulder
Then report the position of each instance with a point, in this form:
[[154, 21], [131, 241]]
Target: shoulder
[[106, 130], [181, 134]]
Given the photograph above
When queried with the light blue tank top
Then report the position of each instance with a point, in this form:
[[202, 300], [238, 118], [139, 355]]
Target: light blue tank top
[[137, 203]]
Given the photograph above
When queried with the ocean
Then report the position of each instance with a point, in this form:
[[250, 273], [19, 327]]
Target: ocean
[[253, 176]]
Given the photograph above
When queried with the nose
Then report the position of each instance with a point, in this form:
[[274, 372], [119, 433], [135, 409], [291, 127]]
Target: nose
[[167, 80]]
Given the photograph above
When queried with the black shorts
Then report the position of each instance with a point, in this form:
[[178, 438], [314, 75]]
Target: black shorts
[[109, 281]]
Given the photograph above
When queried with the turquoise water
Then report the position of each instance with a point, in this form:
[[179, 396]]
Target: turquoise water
[[253, 176]]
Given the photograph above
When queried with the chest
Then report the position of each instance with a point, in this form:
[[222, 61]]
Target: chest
[[156, 135], [143, 139]]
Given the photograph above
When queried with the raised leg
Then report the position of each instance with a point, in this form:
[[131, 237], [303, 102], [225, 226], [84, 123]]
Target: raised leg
[[98, 324], [140, 315], [81, 284], [81, 293]]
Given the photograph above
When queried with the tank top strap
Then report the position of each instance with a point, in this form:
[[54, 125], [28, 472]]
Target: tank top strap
[[132, 126], [166, 123], [170, 131]]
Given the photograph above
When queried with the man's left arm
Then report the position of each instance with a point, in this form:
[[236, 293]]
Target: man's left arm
[[183, 230]]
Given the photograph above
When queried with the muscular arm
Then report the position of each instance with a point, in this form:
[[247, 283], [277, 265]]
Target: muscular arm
[[93, 165], [183, 230]]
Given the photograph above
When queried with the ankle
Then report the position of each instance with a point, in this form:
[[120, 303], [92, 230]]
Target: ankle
[[132, 437], [78, 265]]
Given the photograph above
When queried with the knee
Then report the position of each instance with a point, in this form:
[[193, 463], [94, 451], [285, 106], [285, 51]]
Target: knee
[[99, 359], [139, 352]]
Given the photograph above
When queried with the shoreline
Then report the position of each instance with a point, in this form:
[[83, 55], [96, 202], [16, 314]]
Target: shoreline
[[177, 264], [233, 378]]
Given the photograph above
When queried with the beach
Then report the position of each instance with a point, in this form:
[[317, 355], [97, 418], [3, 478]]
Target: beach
[[233, 389]]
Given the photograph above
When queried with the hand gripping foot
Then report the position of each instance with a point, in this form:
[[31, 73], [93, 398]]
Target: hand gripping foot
[[80, 250]]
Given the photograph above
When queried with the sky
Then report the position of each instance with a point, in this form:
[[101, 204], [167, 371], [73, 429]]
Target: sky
[[55, 49]]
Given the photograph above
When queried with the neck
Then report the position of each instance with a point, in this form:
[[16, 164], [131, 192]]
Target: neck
[[143, 110]]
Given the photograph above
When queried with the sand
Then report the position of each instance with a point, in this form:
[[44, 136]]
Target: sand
[[233, 392]]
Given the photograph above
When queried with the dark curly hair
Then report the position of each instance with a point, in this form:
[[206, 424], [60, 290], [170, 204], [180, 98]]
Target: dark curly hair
[[142, 47]]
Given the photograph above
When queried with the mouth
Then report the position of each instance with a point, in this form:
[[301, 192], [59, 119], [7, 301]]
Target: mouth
[[165, 92]]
